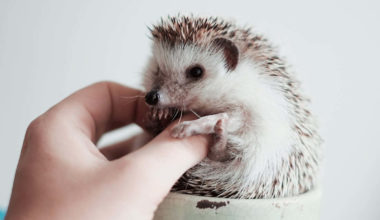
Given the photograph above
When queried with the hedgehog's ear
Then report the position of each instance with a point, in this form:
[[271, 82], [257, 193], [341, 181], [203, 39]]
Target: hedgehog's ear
[[230, 52]]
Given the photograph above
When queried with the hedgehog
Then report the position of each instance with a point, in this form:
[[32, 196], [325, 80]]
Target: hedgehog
[[265, 139]]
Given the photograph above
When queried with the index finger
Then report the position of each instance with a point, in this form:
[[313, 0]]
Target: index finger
[[101, 107]]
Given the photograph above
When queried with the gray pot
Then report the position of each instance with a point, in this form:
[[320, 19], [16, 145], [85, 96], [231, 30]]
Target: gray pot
[[182, 207]]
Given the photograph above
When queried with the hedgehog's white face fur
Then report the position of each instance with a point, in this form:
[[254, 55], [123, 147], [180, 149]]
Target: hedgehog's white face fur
[[169, 73], [272, 140]]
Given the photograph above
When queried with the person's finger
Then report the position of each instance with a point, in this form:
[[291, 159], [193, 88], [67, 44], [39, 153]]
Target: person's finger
[[99, 108], [120, 149], [162, 161]]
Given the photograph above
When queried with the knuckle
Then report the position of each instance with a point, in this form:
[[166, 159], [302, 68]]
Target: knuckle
[[35, 134], [103, 84], [35, 127], [38, 131]]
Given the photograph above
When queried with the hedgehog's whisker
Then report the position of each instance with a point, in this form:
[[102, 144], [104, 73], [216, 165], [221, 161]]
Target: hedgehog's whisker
[[126, 102], [180, 117], [196, 114], [175, 114], [132, 97]]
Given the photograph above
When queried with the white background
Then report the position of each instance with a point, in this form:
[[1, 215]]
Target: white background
[[48, 49]]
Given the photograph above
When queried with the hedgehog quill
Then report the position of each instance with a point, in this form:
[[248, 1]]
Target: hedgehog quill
[[266, 143]]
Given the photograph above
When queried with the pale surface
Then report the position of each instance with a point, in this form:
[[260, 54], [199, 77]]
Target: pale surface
[[48, 49]]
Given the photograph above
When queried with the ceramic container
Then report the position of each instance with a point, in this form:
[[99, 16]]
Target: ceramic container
[[187, 207]]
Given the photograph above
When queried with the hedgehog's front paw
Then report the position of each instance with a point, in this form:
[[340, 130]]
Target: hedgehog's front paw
[[182, 130]]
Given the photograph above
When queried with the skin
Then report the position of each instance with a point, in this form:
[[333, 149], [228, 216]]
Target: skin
[[63, 175]]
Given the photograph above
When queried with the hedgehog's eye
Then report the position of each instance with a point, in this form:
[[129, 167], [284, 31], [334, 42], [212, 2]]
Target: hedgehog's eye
[[195, 72]]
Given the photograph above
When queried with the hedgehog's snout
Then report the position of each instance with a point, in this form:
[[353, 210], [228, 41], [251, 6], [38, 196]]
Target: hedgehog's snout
[[152, 97]]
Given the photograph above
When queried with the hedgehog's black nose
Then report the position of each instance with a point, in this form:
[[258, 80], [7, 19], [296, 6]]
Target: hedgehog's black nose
[[152, 97]]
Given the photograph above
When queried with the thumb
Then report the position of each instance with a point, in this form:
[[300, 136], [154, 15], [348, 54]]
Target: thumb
[[161, 162]]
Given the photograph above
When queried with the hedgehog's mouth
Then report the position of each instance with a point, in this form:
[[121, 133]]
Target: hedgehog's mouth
[[170, 113]]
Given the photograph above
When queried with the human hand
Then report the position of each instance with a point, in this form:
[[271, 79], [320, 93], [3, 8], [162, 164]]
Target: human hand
[[62, 175]]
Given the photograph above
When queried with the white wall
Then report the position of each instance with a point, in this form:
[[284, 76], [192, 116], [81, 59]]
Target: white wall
[[48, 49]]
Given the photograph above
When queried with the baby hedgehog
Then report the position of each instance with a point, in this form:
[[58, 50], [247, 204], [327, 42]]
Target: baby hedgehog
[[265, 140]]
